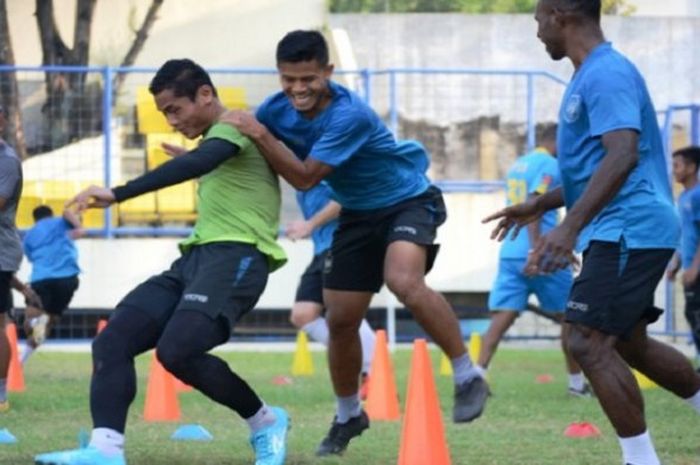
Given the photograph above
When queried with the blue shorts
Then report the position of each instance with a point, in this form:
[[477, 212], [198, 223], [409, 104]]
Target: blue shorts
[[512, 288]]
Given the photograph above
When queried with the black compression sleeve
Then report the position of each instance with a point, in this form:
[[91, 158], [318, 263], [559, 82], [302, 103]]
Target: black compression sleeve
[[210, 154]]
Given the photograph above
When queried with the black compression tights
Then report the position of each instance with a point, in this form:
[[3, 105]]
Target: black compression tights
[[182, 349]]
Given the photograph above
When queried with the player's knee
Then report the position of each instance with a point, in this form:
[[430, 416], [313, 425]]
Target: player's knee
[[407, 288], [173, 359], [342, 323], [107, 347], [580, 344]]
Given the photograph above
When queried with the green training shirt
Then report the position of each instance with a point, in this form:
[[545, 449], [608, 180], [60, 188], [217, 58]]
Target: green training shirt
[[239, 201]]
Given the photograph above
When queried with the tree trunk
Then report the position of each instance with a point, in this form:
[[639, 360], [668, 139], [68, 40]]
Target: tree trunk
[[136, 46], [9, 92]]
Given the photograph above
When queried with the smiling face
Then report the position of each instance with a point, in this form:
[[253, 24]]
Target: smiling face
[[550, 29], [189, 117], [305, 83]]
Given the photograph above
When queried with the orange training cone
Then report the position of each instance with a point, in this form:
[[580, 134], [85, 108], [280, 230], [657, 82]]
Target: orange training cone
[[161, 399], [382, 398], [15, 375], [423, 434]]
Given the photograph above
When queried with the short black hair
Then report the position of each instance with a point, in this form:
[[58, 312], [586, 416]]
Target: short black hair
[[183, 76], [549, 133], [587, 8], [297, 46], [690, 155], [41, 212]]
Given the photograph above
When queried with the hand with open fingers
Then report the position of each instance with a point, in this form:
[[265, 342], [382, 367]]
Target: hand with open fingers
[[299, 230], [244, 121], [513, 218], [31, 298], [554, 251], [173, 150], [92, 197]]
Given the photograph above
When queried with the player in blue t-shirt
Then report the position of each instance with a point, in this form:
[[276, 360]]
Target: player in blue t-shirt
[[618, 197], [387, 226], [534, 173], [320, 221], [49, 246], [685, 170]]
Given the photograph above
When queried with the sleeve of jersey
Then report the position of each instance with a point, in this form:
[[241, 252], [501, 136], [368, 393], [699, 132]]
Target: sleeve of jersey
[[547, 178], [342, 138], [210, 154], [695, 205], [9, 177], [612, 102]]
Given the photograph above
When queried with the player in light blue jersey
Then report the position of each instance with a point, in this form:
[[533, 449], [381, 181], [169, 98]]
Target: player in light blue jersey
[[316, 129], [685, 170], [320, 221], [534, 173], [616, 189]]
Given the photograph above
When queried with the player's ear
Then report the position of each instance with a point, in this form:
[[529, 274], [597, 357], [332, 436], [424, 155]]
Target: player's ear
[[205, 94], [328, 70]]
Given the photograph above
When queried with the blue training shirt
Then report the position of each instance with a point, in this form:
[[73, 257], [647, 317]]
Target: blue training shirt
[[689, 209], [51, 250], [607, 93], [311, 202], [533, 173], [370, 168]]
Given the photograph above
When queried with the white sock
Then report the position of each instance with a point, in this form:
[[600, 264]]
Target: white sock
[[26, 353], [695, 401], [576, 381], [347, 408], [639, 450], [261, 419], [317, 330], [463, 369], [367, 338], [481, 370], [107, 440]]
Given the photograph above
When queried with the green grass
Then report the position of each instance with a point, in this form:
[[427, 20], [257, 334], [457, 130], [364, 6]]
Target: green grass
[[523, 424]]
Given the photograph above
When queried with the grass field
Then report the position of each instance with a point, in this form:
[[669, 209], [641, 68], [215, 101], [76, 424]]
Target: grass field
[[523, 424]]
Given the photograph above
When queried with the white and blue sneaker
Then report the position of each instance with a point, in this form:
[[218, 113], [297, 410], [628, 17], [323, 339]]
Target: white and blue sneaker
[[86, 456], [270, 443]]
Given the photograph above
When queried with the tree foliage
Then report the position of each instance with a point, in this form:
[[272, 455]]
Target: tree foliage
[[457, 6]]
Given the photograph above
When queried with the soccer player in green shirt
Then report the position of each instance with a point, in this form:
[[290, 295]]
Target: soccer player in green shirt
[[189, 309]]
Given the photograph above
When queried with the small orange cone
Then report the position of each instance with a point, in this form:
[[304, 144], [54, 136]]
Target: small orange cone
[[15, 375], [423, 434], [161, 399], [101, 324], [382, 398]]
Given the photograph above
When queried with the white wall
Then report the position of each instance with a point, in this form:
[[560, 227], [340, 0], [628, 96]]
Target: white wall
[[666, 8]]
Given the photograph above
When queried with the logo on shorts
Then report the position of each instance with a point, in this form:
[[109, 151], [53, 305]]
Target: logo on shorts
[[328, 264], [406, 229], [577, 306], [573, 108], [203, 299]]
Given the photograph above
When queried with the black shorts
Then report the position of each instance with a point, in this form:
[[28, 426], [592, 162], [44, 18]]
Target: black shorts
[[692, 310], [615, 290], [56, 294], [356, 259], [221, 279], [5, 291], [310, 287]]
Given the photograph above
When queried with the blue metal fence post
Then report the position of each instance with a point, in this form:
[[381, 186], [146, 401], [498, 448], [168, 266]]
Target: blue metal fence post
[[695, 125], [393, 110], [107, 131], [531, 140], [367, 85]]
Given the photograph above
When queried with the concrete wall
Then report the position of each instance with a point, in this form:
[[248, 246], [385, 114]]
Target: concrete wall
[[664, 49]]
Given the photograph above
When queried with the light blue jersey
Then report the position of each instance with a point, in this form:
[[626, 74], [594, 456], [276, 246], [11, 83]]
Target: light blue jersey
[[371, 169], [689, 209], [606, 94], [311, 202], [51, 250], [534, 173]]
